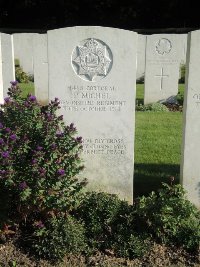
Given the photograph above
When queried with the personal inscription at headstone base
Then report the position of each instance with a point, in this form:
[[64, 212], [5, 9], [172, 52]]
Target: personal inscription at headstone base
[[92, 70], [163, 57], [190, 167], [7, 72]]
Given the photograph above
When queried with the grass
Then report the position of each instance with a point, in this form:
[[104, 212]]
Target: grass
[[157, 146], [27, 88], [157, 149], [140, 92]]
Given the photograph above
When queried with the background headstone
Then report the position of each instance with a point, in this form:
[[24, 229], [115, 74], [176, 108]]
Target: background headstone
[[141, 48], [164, 53], [183, 40], [40, 60], [7, 72], [190, 165], [23, 50], [92, 70]]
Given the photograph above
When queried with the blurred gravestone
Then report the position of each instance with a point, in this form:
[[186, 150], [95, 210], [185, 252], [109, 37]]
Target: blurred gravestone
[[141, 57], [7, 72], [23, 50], [190, 167], [40, 60], [164, 54]]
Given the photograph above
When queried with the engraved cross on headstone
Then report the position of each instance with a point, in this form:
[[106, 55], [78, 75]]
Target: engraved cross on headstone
[[161, 76]]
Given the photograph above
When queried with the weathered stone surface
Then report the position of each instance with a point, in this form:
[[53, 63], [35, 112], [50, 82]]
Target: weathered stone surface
[[23, 50], [190, 165], [92, 70], [183, 40], [7, 72], [164, 53], [40, 60], [141, 48]]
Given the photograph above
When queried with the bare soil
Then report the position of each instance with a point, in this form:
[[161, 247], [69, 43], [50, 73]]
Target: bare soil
[[158, 256]]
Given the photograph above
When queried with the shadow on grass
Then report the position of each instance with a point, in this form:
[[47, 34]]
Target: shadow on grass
[[149, 177]]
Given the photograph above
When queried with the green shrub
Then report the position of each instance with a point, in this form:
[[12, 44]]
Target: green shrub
[[170, 218], [17, 63], [132, 246], [21, 76], [31, 78], [98, 211], [110, 224], [39, 158], [156, 107], [57, 237], [180, 98]]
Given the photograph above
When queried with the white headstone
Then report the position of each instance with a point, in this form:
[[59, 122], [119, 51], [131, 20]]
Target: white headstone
[[141, 56], [23, 50], [40, 60], [7, 72], [190, 165], [92, 70], [183, 38], [163, 57]]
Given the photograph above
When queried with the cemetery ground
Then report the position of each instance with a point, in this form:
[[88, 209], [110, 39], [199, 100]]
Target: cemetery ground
[[157, 146], [157, 160]]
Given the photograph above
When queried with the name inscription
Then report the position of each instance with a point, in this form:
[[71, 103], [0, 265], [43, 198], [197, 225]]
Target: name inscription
[[92, 98]]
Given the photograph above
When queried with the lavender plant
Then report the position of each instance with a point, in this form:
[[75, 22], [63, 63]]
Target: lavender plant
[[39, 158]]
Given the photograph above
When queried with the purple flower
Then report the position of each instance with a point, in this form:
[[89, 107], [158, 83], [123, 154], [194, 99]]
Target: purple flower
[[49, 116], [14, 83], [1, 141], [71, 127], [23, 185], [59, 134], [53, 146], [26, 104], [39, 224], [13, 137], [61, 172], [7, 99], [25, 137], [1, 125], [5, 154], [39, 148], [79, 139], [60, 118], [34, 161], [8, 130], [42, 171], [32, 98], [55, 102], [2, 172]]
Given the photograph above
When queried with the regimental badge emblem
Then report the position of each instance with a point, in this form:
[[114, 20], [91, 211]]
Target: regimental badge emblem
[[163, 46], [92, 60]]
